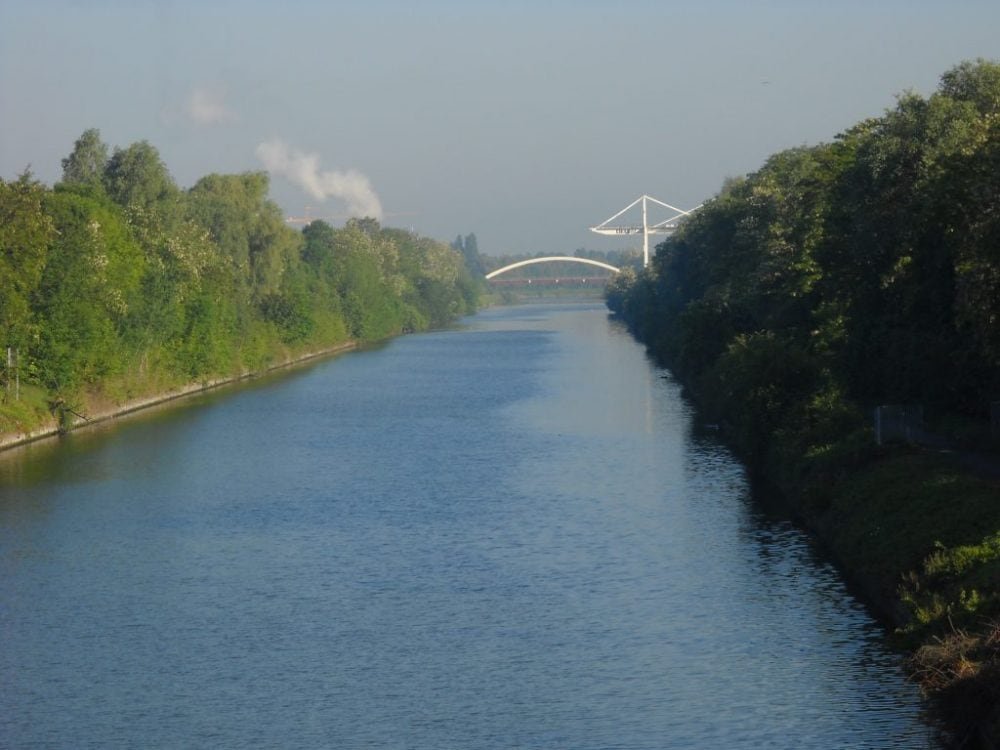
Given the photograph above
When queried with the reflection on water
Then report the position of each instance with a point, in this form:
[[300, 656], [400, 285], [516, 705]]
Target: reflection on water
[[500, 536]]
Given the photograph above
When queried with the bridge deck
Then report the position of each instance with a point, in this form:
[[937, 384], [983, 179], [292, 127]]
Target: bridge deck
[[593, 281]]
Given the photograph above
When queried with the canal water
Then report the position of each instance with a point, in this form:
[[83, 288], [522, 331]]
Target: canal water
[[508, 535]]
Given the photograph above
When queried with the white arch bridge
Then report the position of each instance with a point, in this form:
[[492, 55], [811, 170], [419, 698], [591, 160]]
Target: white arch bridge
[[552, 259]]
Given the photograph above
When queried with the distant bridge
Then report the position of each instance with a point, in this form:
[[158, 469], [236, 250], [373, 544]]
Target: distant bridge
[[552, 259]]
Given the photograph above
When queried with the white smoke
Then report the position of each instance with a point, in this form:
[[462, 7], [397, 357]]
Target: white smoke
[[208, 107], [303, 170]]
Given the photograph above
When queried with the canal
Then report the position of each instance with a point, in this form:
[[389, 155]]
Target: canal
[[507, 535]]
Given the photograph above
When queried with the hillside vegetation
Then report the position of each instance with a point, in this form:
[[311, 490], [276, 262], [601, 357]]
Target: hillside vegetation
[[116, 283], [837, 278]]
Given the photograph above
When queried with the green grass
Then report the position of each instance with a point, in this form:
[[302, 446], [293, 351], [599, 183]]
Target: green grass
[[157, 372], [900, 510], [25, 414]]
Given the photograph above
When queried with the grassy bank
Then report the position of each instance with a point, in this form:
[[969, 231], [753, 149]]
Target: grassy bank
[[38, 414]]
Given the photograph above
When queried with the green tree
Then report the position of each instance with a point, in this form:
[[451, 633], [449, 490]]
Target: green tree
[[136, 178], [470, 254], [618, 288], [90, 284], [977, 82], [88, 160], [127, 284], [366, 224], [25, 234], [371, 309], [247, 227], [870, 264], [317, 249]]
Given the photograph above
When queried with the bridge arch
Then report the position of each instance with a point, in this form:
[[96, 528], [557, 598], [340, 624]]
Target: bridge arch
[[552, 259]]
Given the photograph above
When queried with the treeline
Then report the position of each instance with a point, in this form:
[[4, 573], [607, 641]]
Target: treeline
[[118, 280], [836, 278], [860, 272]]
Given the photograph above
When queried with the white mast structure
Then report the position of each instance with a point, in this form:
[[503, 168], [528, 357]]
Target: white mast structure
[[664, 227]]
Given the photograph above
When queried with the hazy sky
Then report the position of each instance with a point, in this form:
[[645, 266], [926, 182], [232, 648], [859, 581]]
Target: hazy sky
[[524, 122]]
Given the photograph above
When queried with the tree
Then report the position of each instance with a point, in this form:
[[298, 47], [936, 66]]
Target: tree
[[91, 281], [136, 178], [873, 260], [365, 224], [618, 288], [248, 227], [977, 82], [86, 164], [117, 281], [469, 249], [319, 241], [25, 233]]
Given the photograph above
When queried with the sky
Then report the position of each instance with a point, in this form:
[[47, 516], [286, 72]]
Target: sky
[[522, 122]]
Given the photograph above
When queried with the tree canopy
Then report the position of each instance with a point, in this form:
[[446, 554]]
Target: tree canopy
[[88, 160], [117, 280], [869, 267]]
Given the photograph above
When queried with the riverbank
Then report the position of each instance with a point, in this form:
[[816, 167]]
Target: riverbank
[[815, 290], [95, 409], [916, 533]]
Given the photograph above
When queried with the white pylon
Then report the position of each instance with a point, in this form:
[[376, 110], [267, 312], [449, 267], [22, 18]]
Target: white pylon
[[664, 227]]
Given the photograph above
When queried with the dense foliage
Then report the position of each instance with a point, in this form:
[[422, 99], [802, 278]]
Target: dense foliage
[[118, 281], [841, 276]]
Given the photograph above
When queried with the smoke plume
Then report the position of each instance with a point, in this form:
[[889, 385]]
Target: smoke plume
[[208, 107], [303, 170]]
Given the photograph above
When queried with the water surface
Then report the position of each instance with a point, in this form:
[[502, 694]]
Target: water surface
[[503, 536]]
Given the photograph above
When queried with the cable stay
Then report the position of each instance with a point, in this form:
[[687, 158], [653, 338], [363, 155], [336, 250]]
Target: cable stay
[[666, 226]]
